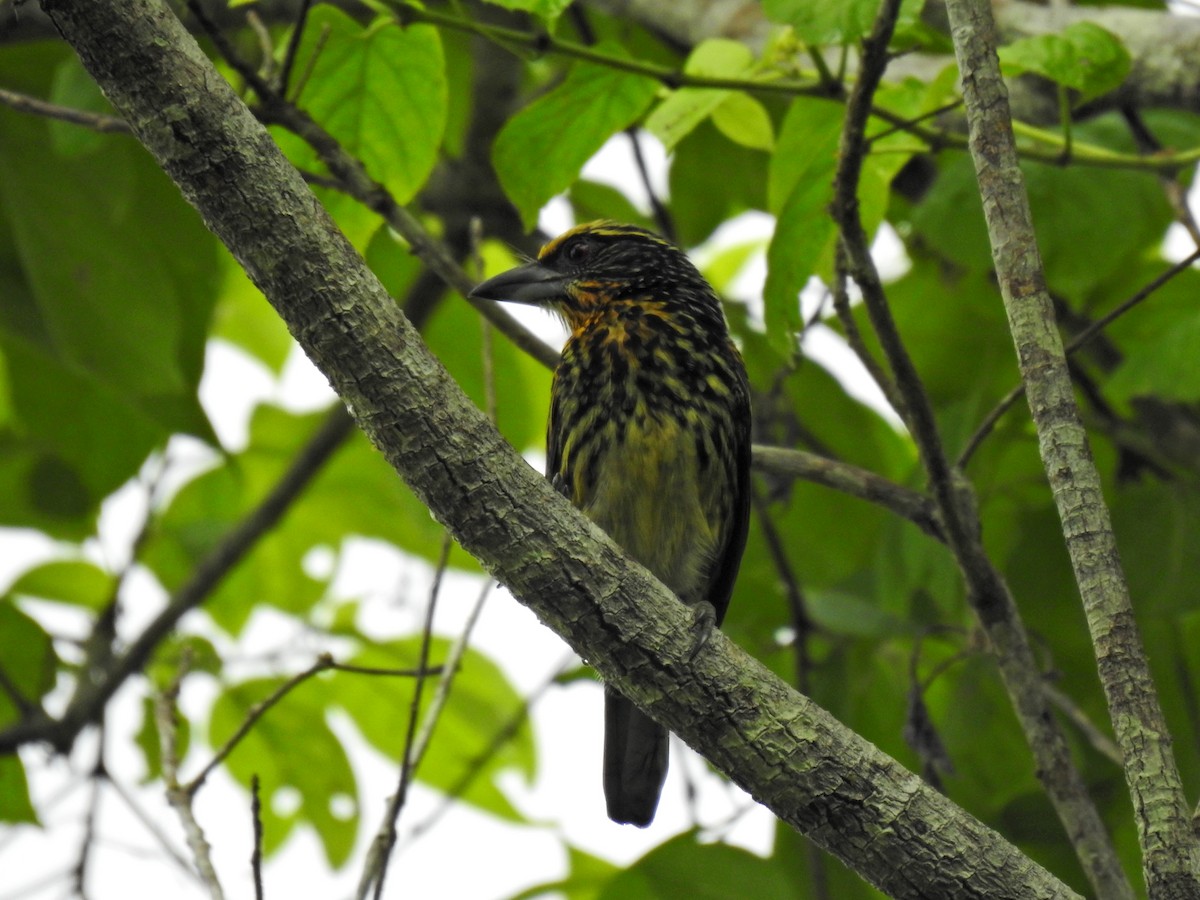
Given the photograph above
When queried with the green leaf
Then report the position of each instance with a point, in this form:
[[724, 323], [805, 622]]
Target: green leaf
[[820, 22], [541, 149], [592, 200], [27, 658], [75, 89], [73, 581], [482, 706], [682, 867], [15, 805], [381, 91], [803, 231], [1084, 57], [701, 202], [245, 318], [356, 493], [291, 746], [135, 323], [682, 110], [546, 10], [745, 121]]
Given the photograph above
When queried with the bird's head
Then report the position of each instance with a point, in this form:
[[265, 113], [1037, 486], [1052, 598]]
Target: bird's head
[[605, 266]]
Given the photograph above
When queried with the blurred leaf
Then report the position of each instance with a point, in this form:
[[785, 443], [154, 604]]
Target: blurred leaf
[[245, 318], [541, 149], [823, 22], [461, 756], [546, 10], [291, 747], [586, 878], [745, 121], [701, 202], [26, 656], [75, 89], [355, 493], [1161, 342], [593, 200], [684, 868], [380, 90], [15, 805], [73, 581], [1083, 56]]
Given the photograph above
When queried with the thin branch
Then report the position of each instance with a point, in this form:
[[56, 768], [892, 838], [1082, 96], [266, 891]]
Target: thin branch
[[1097, 738], [989, 422], [987, 592], [256, 854], [94, 121], [475, 766], [179, 798], [153, 828], [293, 47], [1170, 849], [852, 480], [376, 865]]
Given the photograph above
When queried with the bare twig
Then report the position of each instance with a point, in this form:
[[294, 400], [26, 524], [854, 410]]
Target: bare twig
[[179, 798], [95, 121], [256, 853], [376, 865]]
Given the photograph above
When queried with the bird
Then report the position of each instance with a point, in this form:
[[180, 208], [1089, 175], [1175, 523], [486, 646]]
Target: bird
[[648, 435]]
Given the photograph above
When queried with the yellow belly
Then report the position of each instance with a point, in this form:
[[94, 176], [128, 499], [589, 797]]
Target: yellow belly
[[649, 497]]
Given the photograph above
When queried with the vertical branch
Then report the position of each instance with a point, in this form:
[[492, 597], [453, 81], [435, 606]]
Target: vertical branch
[[1171, 851], [178, 797], [986, 589]]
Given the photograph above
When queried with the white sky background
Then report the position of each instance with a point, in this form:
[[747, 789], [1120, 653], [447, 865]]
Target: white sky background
[[465, 855]]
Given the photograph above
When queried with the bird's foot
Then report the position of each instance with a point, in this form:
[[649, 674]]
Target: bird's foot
[[704, 621]]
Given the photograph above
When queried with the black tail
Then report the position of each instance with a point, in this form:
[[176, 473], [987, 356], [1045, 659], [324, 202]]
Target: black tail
[[635, 761]]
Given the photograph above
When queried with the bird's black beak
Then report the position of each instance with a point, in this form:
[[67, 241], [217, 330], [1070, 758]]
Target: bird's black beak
[[532, 283]]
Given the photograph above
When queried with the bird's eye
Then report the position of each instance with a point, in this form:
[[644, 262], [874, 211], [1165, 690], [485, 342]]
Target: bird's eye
[[579, 251]]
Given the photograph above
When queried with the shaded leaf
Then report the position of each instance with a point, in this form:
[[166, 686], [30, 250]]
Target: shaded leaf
[[541, 149]]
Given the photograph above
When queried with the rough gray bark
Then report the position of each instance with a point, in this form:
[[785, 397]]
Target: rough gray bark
[[822, 779]]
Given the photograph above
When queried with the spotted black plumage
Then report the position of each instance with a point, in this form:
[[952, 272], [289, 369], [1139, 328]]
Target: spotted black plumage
[[649, 435]]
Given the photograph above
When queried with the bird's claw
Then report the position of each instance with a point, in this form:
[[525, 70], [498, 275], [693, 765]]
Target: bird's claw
[[704, 621]]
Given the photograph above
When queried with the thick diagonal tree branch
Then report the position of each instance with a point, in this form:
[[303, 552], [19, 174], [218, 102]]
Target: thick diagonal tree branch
[[1170, 849], [822, 779]]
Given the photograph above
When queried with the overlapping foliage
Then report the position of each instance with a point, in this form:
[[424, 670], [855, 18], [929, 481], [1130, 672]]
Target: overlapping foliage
[[113, 289]]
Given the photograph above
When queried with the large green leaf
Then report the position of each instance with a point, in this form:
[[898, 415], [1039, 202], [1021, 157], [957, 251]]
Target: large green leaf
[[462, 756], [293, 747], [380, 90], [1083, 56], [133, 322], [541, 149]]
